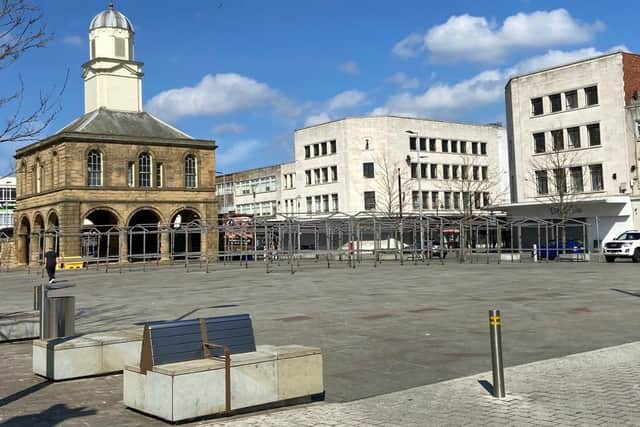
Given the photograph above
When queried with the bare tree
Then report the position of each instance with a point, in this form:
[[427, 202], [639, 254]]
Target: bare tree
[[22, 30], [386, 183], [473, 178]]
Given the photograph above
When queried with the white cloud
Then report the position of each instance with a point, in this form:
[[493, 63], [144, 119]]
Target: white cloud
[[341, 102], [218, 94], [349, 67], [477, 39], [403, 80], [228, 128], [239, 152], [446, 100], [75, 41]]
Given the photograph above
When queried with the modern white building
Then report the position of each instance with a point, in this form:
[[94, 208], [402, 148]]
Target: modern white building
[[7, 201], [254, 191], [352, 165], [573, 143]]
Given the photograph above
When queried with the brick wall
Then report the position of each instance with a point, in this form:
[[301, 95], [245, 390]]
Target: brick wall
[[631, 70]]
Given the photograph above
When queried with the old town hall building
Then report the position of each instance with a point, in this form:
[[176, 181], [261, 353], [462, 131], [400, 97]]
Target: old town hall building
[[116, 168]]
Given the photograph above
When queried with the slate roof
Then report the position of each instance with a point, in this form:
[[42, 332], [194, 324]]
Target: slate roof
[[109, 122]]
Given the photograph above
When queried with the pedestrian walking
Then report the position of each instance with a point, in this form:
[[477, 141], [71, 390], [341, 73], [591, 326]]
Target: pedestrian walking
[[50, 261]]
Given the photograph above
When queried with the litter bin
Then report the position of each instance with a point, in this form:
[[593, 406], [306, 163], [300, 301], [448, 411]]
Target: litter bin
[[61, 317]]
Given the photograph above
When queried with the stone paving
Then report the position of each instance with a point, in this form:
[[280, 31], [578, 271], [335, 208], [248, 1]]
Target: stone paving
[[589, 389], [382, 330]]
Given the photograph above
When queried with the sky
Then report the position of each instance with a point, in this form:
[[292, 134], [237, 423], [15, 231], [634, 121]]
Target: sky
[[247, 73]]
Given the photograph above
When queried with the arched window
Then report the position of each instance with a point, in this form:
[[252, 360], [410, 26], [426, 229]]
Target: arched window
[[94, 169], [144, 170], [190, 171], [38, 171]]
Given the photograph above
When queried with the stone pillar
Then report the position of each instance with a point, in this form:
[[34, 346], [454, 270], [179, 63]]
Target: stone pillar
[[71, 230], [123, 244], [34, 248], [165, 238]]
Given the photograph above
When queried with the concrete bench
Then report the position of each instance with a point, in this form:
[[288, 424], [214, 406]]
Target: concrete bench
[[20, 325], [197, 368], [86, 355]]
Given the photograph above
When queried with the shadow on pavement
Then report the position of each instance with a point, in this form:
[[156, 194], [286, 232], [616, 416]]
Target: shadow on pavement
[[52, 416], [23, 393], [487, 386], [622, 291]]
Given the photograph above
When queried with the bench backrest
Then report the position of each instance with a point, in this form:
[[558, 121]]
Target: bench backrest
[[182, 340]]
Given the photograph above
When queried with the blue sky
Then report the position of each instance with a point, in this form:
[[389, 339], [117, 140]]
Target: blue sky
[[247, 73]]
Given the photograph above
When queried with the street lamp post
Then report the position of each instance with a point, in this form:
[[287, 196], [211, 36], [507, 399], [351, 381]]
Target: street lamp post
[[419, 177]]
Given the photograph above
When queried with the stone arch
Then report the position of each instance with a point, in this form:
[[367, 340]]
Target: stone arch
[[101, 234], [185, 238], [143, 234], [38, 232], [52, 228], [23, 240]]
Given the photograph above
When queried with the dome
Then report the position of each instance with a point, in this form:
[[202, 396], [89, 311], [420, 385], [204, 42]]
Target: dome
[[111, 18]]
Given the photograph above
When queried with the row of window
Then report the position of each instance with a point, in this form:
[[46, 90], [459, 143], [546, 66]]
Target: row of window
[[323, 175], [447, 146], [436, 200], [289, 181], [574, 138], [320, 149], [321, 203], [570, 100], [556, 180], [465, 172], [7, 194], [258, 208], [263, 184], [6, 219]]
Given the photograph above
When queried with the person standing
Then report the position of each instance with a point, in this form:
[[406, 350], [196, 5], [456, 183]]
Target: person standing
[[50, 259]]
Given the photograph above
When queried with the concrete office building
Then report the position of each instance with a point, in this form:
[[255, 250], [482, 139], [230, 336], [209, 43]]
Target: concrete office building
[[7, 201], [573, 143]]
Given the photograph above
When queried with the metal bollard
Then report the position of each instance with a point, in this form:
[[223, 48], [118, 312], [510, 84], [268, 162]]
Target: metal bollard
[[496, 353]]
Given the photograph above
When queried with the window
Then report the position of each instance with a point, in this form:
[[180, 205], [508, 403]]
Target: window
[[334, 173], [332, 146], [594, 134], [316, 176], [38, 176], [571, 99], [577, 184], [325, 175], [325, 203], [318, 203], [369, 200], [474, 148], [119, 47], [539, 142], [191, 171], [445, 171], [456, 200], [414, 170], [423, 170], [316, 150], [476, 200], [454, 171], [463, 147], [323, 147], [556, 102], [366, 144], [307, 177], [447, 200], [412, 143], [423, 144], [425, 200], [483, 148], [159, 174], [334, 202], [454, 146], [307, 151], [93, 49], [574, 137], [94, 169], [558, 140], [367, 170], [131, 173], [591, 95], [597, 184], [432, 144], [466, 200], [434, 171], [435, 201], [445, 145], [485, 199], [560, 178], [415, 199], [476, 173], [309, 205], [536, 106], [465, 172], [144, 170], [485, 173]]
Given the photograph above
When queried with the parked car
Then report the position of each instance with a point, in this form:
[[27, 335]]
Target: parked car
[[555, 249], [626, 245], [432, 248]]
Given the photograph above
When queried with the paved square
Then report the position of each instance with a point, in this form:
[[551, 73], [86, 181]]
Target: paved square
[[381, 329]]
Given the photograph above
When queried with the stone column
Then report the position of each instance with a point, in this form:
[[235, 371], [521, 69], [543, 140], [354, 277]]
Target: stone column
[[165, 238], [123, 244]]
